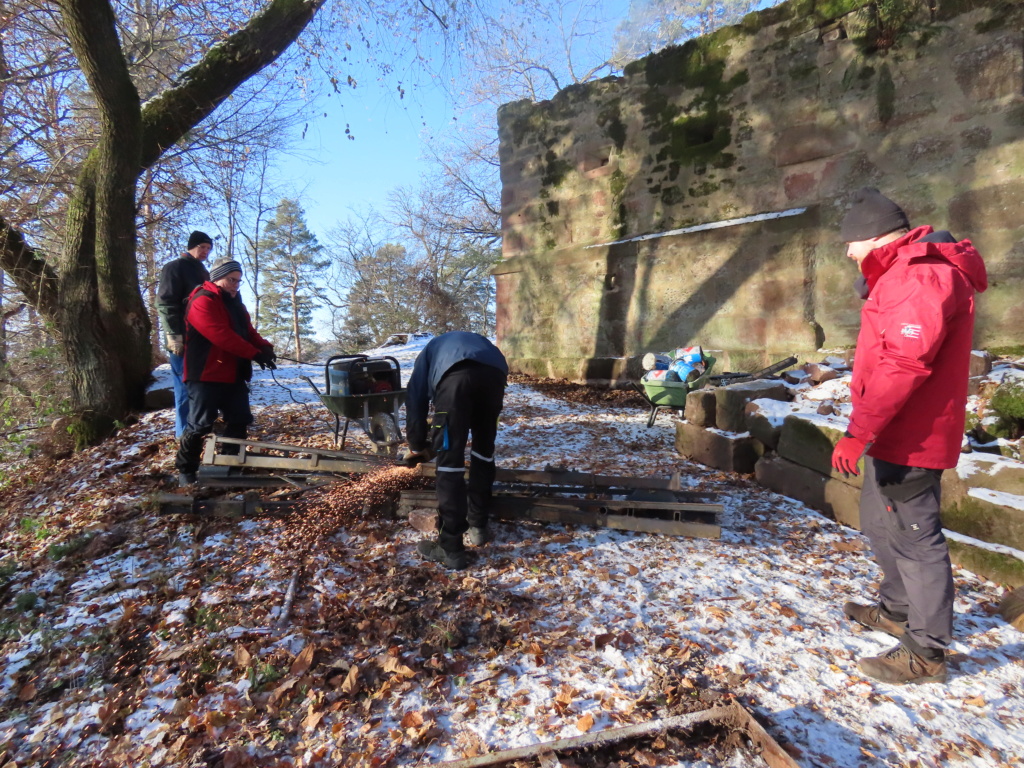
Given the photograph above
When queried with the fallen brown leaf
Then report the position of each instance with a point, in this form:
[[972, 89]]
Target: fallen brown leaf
[[302, 662], [412, 720]]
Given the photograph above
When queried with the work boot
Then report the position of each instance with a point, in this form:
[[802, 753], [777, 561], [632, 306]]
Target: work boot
[[901, 666], [480, 536], [187, 479], [876, 617], [431, 550]]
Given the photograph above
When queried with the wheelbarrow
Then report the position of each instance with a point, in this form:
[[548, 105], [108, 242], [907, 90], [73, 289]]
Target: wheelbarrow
[[672, 394], [366, 390]]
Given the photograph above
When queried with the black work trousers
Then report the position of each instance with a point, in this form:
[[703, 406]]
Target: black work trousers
[[899, 513], [468, 400], [205, 400]]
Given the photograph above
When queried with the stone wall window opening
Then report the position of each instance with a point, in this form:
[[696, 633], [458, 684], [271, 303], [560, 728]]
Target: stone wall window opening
[[594, 159]]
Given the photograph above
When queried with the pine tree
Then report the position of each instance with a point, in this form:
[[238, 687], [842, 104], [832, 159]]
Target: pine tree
[[292, 267]]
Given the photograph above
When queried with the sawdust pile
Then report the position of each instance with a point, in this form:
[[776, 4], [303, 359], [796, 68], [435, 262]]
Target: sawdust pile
[[351, 505]]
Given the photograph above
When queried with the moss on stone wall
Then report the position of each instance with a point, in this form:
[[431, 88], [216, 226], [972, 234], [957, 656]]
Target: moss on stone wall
[[994, 566], [886, 95], [555, 169], [610, 119], [985, 521]]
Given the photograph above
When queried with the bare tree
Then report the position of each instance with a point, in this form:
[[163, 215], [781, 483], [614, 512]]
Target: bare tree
[[90, 289], [654, 24]]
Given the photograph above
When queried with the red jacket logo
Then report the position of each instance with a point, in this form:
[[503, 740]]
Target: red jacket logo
[[911, 331]]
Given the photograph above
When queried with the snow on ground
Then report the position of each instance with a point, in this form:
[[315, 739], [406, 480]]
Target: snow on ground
[[563, 625]]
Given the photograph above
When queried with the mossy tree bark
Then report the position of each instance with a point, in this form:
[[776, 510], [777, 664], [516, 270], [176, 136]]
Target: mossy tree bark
[[90, 292]]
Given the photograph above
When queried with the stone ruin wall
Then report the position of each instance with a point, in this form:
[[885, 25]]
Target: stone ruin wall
[[794, 108]]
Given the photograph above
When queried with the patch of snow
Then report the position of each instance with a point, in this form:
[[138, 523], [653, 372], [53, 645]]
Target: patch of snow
[[1011, 500]]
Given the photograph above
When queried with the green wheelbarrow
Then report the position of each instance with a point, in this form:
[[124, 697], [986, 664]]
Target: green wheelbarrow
[[672, 394], [366, 390]]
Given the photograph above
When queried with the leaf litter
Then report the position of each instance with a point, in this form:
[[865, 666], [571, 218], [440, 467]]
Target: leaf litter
[[160, 640]]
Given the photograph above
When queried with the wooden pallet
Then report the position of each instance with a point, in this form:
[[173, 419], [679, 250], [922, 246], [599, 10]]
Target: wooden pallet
[[282, 459]]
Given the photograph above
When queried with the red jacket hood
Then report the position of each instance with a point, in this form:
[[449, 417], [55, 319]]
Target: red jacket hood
[[961, 255]]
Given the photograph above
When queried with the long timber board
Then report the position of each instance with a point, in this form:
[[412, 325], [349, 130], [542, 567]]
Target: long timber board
[[667, 518]]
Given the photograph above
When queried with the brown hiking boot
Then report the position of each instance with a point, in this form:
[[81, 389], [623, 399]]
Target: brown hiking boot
[[901, 666], [875, 617]]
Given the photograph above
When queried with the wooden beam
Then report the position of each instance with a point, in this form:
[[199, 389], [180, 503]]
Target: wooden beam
[[730, 717], [697, 520], [581, 479]]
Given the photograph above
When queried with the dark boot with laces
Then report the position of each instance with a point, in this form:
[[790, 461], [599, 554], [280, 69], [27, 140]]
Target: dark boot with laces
[[901, 666], [876, 617], [431, 550]]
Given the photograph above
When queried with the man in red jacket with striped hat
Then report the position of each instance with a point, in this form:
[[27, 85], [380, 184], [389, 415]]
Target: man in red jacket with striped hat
[[220, 347], [909, 393]]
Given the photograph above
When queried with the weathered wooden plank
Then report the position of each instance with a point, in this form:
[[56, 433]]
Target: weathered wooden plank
[[581, 479], [429, 499], [326, 452], [678, 521], [283, 463], [730, 717]]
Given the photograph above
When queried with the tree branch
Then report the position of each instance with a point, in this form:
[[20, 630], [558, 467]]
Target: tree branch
[[29, 271], [167, 117]]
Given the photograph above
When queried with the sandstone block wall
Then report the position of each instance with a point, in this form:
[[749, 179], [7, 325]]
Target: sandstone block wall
[[788, 112]]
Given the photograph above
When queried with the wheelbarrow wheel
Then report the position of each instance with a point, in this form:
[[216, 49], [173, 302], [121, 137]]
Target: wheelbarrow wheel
[[384, 433]]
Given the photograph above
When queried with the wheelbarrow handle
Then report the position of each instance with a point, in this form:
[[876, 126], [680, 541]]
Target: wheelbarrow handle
[[310, 381]]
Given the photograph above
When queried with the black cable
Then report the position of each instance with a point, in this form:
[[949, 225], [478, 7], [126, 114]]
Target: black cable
[[304, 404], [293, 360]]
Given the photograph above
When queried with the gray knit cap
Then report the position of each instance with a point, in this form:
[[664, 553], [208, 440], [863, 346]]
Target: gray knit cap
[[224, 268], [872, 214]]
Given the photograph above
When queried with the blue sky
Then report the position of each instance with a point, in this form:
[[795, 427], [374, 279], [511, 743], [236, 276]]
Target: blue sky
[[332, 173]]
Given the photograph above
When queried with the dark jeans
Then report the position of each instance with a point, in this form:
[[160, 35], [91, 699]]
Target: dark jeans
[[180, 394], [467, 400], [899, 513], [205, 401]]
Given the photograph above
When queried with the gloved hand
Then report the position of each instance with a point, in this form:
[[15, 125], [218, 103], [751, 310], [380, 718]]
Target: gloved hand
[[265, 359], [175, 344], [847, 453], [411, 458]]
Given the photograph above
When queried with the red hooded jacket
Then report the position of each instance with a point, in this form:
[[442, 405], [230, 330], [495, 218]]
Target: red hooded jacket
[[220, 341], [913, 353]]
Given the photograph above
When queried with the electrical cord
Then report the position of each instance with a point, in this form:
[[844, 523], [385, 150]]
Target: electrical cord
[[303, 403]]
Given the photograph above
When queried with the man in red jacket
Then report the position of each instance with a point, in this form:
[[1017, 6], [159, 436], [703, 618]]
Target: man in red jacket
[[220, 347], [909, 393]]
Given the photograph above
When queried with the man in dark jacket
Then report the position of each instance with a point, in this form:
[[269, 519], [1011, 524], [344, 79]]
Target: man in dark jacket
[[465, 376], [220, 347], [178, 279], [909, 392]]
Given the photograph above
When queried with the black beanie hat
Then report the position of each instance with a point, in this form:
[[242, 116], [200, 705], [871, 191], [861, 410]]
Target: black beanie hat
[[223, 269], [872, 214], [196, 238]]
